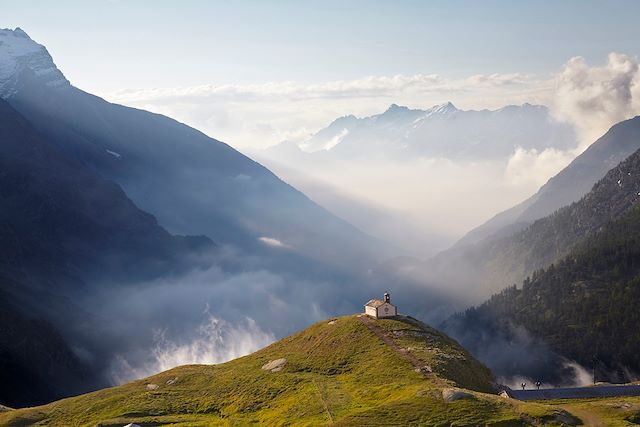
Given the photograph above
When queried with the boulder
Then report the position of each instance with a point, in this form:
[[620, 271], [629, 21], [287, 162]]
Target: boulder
[[275, 365], [452, 394]]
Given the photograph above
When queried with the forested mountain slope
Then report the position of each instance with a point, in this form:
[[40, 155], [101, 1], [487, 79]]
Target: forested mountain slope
[[584, 305]]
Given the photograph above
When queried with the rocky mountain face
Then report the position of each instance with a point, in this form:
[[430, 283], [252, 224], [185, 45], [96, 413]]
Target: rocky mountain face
[[21, 57], [55, 208], [192, 183]]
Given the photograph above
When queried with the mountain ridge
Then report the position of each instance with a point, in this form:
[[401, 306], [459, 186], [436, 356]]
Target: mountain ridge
[[20, 55], [568, 185], [231, 199], [513, 251]]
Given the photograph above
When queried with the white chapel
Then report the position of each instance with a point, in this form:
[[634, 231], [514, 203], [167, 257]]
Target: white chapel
[[381, 308]]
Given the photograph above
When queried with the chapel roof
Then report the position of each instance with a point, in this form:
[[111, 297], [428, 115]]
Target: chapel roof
[[374, 303]]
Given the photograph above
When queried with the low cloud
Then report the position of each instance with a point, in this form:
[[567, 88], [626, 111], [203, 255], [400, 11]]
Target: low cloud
[[214, 341], [366, 87], [513, 354], [205, 316]]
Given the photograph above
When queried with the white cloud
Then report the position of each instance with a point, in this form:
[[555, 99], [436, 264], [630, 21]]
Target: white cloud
[[533, 168], [275, 243], [370, 86], [596, 97], [255, 116]]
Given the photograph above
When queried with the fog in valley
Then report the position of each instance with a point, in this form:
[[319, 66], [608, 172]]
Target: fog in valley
[[194, 223], [416, 189]]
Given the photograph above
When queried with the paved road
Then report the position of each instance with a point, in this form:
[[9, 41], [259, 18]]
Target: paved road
[[576, 392]]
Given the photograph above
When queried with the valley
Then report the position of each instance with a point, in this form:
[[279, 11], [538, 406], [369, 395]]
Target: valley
[[197, 198]]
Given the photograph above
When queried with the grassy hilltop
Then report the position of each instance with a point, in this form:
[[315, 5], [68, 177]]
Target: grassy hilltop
[[346, 371]]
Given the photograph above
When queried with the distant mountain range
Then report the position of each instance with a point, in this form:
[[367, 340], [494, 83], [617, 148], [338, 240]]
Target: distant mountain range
[[442, 131]]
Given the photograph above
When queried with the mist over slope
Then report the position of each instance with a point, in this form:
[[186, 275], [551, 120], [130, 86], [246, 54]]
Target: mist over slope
[[517, 249], [569, 185]]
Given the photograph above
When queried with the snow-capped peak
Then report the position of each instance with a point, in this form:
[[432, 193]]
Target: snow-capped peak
[[442, 109], [436, 111], [21, 57]]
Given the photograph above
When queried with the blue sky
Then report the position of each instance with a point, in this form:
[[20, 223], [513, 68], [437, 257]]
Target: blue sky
[[108, 45]]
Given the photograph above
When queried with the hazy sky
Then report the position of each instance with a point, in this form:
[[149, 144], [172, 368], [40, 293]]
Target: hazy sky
[[104, 45]]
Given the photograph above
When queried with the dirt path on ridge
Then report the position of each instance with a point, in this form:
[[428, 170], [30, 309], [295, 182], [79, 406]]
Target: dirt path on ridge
[[402, 352]]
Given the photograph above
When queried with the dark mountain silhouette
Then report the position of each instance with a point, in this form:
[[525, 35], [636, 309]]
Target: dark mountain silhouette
[[64, 230]]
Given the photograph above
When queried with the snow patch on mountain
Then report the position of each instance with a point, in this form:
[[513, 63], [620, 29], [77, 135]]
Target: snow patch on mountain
[[443, 110], [328, 145], [22, 57]]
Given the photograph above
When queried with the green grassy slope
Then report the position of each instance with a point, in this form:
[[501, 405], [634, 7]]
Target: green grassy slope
[[610, 412], [337, 372], [583, 306]]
